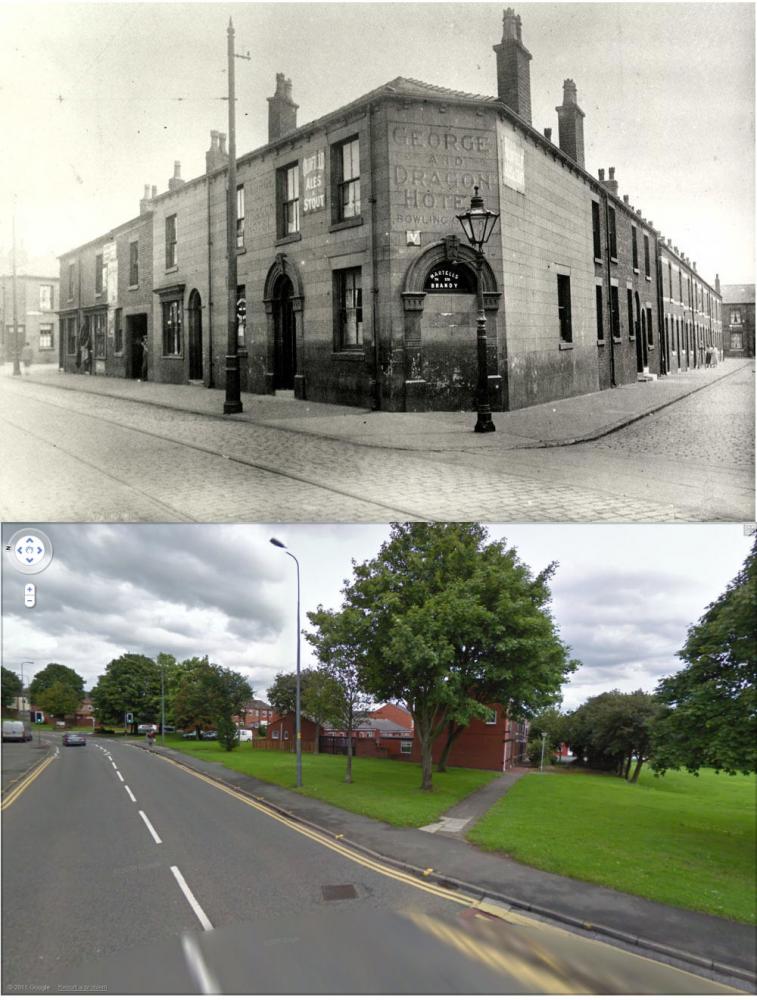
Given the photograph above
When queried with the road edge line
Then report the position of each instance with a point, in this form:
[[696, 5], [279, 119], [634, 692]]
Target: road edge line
[[452, 882]]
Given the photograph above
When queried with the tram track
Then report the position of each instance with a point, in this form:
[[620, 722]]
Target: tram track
[[316, 482]]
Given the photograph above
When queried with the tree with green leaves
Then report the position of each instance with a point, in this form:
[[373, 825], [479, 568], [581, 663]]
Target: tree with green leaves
[[547, 726], [55, 673], [131, 683], [59, 699], [282, 694], [322, 698], [210, 695], [337, 643], [613, 731], [710, 717], [448, 623], [11, 687]]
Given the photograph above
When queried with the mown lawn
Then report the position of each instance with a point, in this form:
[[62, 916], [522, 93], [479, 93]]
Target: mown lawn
[[684, 840], [382, 789]]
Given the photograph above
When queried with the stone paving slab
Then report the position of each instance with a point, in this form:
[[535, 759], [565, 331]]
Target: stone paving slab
[[566, 421]]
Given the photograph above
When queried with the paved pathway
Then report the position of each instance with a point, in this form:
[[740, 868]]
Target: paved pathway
[[81, 448], [470, 809]]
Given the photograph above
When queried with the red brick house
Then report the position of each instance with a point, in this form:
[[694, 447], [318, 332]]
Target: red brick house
[[394, 713], [284, 728], [254, 715], [372, 737], [493, 744]]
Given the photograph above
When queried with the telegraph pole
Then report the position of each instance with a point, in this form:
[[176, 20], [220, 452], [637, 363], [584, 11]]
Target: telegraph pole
[[16, 345], [232, 403]]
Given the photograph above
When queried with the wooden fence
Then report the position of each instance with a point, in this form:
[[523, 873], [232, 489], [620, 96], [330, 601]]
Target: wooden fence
[[308, 746]]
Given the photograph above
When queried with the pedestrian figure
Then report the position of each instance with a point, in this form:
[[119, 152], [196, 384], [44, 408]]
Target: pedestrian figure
[[714, 356], [78, 358], [708, 357], [144, 358], [150, 738], [26, 357]]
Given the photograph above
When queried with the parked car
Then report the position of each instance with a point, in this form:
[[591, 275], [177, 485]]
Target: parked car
[[190, 734], [16, 731], [147, 727], [211, 734], [245, 735], [74, 740]]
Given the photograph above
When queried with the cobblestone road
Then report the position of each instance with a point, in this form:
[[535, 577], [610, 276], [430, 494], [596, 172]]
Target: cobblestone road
[[74, 456]]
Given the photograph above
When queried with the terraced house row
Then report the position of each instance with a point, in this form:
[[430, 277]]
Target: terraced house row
[[355, 283]]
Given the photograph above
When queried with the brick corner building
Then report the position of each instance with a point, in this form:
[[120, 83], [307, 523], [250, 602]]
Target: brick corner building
[[354, 283]]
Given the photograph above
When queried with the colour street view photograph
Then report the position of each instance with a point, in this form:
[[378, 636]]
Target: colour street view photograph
[[405, 758], [357, 262]]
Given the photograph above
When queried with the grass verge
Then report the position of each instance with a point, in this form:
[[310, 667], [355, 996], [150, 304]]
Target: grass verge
[[382, 789], [679, 839]]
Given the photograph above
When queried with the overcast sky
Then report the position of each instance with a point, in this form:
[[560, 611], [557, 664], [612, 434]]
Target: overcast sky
[[98, 100], [623, 596]]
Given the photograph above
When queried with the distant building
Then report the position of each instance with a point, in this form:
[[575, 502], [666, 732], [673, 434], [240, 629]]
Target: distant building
[[394, 713], [36, 308], [496, 743], [257, 713], [738, 321]]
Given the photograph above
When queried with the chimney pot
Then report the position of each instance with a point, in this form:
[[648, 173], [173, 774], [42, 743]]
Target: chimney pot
[[548, 133], [625, 198], [177, 169], [222, 143], [601, 173], [612, 173]]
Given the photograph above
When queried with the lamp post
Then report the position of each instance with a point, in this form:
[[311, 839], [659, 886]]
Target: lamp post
[[478, 224], [297, 735], [23, 664]]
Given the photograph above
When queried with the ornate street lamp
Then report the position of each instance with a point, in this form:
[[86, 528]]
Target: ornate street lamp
[[478, 224], [297, 734]]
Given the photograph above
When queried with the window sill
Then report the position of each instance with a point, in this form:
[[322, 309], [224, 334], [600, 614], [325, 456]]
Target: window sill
[[647, 277], [564, 346], [346, 224], [613, 260], [616, 340], [351, 353], [292, 238], [172, 357], [241, 250], [172, 269], [636, 270], [601, 343], [133, 288], [597, 260]]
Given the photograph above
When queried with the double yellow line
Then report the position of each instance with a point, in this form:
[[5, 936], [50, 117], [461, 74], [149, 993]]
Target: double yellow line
[[332, 843], [11, 797]]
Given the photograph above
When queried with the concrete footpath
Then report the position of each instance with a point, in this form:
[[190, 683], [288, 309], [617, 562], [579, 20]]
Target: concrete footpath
[[696, 939], [562, 422]]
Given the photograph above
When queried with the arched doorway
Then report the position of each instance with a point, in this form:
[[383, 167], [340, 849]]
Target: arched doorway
[[638, 328], [284, 338], [440, 370], [194, 311]]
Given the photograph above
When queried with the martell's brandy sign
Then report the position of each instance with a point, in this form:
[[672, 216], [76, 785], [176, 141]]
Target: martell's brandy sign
[[449, 278]]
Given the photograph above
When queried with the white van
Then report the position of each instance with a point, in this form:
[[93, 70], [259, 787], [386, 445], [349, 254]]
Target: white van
[[245, 735], [15, 731]]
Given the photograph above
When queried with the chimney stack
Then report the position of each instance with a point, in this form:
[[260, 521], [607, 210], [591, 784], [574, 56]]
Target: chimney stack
[[145, 202], [548, 134], [612, 184], [717, 283], [513, 70], [282, 111], [570, 123], [216, 157], [176, 182]]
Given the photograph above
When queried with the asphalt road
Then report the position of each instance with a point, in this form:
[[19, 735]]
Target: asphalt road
[[70, 455], [124, 873]]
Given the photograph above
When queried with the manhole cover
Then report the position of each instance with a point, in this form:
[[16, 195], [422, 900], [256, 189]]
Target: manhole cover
[[338, 892]]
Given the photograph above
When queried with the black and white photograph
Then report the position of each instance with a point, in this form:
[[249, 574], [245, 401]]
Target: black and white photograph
[[357, 262], [378, 538]]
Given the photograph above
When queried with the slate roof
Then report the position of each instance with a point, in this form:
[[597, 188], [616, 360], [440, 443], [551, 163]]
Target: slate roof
[[737, 294]]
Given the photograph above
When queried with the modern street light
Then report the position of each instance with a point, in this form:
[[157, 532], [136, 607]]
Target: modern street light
[[23, 664], [478, 224], [297, 735]]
